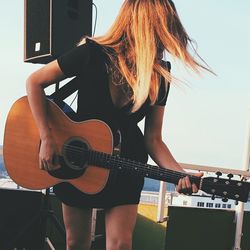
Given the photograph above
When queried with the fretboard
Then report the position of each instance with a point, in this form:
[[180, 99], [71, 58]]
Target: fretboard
[[136, 168]]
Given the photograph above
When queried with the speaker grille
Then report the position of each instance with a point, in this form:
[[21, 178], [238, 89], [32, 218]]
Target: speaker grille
[[38, 28], [54, 26]]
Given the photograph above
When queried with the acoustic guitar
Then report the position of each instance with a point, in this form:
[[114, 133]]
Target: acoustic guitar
[[86, 152]]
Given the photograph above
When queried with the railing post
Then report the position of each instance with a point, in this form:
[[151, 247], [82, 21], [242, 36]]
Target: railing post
[[161, 201], [239, 210]]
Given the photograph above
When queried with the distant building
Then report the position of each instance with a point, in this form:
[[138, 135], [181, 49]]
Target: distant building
[[200, 200]]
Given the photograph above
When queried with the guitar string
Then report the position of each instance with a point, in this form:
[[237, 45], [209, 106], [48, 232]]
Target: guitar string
[[140, 166], [133, 164], [165, 173], [114, 162], [168, 175], [119, 160]]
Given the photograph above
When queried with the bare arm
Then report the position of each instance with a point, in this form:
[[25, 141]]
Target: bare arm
[[35, 85], [156, 148], [159, 151]]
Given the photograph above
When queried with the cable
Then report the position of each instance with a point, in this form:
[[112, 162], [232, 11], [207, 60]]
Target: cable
[[96, 14]]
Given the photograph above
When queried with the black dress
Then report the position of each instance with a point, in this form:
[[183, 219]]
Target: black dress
[[88, 63]]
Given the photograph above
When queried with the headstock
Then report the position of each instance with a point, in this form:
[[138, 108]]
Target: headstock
[[226, 188]]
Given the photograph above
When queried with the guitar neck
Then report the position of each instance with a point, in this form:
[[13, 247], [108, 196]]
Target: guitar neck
[[136, 168]]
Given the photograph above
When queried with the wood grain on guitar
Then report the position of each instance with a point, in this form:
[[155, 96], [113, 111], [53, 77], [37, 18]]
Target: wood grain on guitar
[[86, 156]]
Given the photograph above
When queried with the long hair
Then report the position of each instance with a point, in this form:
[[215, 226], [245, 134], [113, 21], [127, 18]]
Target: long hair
[[140, 30]]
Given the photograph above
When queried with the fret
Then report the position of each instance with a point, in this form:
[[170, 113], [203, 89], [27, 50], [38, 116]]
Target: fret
[[126, 165]]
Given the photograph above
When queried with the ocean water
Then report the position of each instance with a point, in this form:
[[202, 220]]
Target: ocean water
[[154, 185]]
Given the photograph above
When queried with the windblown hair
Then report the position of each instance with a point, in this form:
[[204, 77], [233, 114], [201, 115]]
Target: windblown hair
[[139, 31]]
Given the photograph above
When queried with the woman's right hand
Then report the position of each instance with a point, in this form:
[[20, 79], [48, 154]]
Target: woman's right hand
[[48, 155]]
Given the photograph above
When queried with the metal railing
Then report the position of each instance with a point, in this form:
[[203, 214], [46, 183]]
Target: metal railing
[[239, 210]]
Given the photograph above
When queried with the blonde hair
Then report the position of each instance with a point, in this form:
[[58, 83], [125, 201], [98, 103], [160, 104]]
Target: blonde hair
[[140, 29]]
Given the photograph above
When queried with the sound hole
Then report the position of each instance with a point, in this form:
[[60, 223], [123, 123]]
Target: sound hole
[[75, 153], [74, 159]]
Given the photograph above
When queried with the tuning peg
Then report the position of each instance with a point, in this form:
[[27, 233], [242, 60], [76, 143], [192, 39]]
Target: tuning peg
[[218, 173], [236, 203], [230, 176], [225, 199]]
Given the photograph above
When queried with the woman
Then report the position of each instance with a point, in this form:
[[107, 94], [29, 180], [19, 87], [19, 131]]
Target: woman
[[122, 79]]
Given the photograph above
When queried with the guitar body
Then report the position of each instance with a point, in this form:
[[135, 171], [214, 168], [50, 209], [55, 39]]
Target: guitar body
[[22, 142], [86, 153]]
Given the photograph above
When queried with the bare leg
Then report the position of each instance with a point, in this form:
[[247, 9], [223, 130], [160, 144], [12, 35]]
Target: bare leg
[[78, 227], [120, 222]]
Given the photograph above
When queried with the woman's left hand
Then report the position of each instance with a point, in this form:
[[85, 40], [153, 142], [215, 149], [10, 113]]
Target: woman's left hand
[[185, 187]]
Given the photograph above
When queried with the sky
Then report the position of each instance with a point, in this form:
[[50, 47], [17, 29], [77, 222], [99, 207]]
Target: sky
[[206, 121]]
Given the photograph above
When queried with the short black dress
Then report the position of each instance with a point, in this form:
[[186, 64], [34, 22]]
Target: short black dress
[[88, 63]]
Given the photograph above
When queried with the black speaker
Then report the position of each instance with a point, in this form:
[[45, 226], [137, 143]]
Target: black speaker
[[18, 226], [199, 228], [51, 27]]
